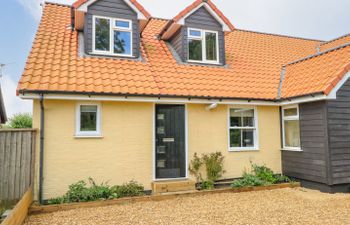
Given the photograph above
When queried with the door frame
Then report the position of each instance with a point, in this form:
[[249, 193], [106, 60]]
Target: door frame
[[154, 142]]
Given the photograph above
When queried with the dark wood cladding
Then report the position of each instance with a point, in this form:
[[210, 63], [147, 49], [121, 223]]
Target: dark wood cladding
[[311, 163], [200, 19], [114, 9], [339, 135]]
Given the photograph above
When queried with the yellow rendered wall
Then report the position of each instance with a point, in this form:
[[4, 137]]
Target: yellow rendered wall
[[208, 132], [126, 150]]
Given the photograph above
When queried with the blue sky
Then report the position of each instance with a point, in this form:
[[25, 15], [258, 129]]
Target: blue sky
[[321, 19]]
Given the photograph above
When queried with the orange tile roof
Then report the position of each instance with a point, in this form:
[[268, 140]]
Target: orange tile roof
[[316, 74], [196, 4], [254, 62], [78, 3], [335, 43]]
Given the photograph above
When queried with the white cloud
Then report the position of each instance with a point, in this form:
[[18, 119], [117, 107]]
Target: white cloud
[[33, 7], [13, 104]]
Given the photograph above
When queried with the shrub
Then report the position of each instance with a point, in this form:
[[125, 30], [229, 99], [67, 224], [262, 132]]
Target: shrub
[[214, 167], [261, 175], [20, 121], [81, 192], [128, 190], [214, 164], [207, 185]]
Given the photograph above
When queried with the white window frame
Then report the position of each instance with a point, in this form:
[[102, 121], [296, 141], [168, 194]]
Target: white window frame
[[112, 28], [204, 45], [255, 128], [290, 118], [87, 134]]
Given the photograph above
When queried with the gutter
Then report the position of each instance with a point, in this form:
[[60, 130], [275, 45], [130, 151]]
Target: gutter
[[42, 138]]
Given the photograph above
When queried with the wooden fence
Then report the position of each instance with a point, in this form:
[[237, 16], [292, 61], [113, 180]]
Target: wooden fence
[[17, 149]]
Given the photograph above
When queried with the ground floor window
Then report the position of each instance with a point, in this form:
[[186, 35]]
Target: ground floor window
[[88, 120], [243, 129], [291, 128]]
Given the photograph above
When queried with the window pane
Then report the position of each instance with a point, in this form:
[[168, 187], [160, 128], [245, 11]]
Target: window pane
[[195, 50], [248, 138], [292, 133], [235, 138], [122, 24], [211, 50], [88, 121], [242, 118], [195, 33], [88, 108], [122, 42], [102, 34], [291, 112]]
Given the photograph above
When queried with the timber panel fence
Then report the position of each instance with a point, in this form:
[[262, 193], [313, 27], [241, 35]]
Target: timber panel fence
[[17, 149]]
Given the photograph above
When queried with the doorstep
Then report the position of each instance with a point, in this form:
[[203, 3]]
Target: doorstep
[[173, 186]]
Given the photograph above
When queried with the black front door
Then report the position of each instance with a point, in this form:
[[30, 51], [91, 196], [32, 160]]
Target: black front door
[[170, 142]]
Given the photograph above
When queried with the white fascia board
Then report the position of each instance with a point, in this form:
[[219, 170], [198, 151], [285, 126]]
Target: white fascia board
[[211, 11], [80, 97], [140, 15], [179, 100], [333, 93]]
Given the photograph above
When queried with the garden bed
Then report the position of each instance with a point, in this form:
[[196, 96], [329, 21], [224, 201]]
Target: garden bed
[[38, 209]]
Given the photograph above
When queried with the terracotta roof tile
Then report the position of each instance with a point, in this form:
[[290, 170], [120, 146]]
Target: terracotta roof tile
[[317, 74], [335, 43], [254, 62]]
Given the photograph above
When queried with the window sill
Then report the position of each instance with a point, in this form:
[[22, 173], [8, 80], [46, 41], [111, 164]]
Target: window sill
[[243, 150], [88, 137], [111, 54], [292, 150], [204, 62]]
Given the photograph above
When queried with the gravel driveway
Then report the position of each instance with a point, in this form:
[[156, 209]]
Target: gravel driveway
[[284, 206]]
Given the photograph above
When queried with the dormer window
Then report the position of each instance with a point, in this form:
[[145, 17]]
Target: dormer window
[[203, 46], [112, 36]]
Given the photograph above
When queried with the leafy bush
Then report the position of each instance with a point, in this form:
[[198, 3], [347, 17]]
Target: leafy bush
[[207, 185], [214, 167], [20, 121], [81, 192], [214, 164], [261, 175], [128, 190], [247, 181]]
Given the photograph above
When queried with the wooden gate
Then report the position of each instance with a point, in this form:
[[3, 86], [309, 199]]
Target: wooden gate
[[17, 149]]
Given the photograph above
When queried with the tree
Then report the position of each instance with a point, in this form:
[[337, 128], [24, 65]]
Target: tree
[[20, 120]]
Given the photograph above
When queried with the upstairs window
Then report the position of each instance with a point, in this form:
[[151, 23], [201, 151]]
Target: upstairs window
[[291, 128], [112, 36], [203, 46]]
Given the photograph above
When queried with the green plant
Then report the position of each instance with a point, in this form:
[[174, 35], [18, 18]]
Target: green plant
[[84, 192], [214, 164], [195, 166], [260, 175], [21, 120], [128, 189], [247, 181], [214, 167], [207, 185]]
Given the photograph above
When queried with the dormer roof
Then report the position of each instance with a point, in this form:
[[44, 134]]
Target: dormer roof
[[82, 5], [179, 19]]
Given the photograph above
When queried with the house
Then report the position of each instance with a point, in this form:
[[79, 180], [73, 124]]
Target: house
[[120, 95], [3, 117]]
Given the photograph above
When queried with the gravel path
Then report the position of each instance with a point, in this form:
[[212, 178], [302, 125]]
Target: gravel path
[[284, 206]]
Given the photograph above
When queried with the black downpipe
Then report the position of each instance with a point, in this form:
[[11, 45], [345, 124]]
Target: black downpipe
[[42, 126]]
